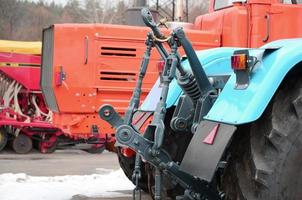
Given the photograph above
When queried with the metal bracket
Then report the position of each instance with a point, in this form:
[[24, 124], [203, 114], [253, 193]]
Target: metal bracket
[[202, 108], [108, 114], [183, 114]]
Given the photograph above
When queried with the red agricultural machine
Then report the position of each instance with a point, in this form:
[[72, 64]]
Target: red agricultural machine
[[87, 65], [25, 118], [98, 54], [23, 115], [83, 66]]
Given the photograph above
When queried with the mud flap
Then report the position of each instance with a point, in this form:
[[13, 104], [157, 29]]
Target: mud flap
[[202, 157]]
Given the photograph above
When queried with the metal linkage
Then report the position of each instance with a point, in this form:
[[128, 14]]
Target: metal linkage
[[201, 78], [125, 132], [204, 101], [135, 99], [198, 189], [157, 126], [110, 115], [149, 144], [151, 151]]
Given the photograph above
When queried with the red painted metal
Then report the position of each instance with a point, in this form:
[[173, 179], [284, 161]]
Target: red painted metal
[[20, 59], [19, 67], [127, 152], [29, 77], [138, 118], [45, 145], [212, 135], [10, 117]]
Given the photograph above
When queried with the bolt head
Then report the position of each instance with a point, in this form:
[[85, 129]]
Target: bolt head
[[107, 113]]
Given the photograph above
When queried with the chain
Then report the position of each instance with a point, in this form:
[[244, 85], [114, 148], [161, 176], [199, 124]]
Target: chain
[[137, 174]]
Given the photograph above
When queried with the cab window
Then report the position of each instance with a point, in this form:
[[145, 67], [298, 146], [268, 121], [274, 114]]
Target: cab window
[[220, 4], [292, 1]]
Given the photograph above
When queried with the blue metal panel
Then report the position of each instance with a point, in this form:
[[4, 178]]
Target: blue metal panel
[[215, 62], [244, 106]]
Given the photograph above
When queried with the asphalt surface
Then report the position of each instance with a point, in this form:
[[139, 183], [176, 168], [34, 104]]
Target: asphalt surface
[[62, 162]]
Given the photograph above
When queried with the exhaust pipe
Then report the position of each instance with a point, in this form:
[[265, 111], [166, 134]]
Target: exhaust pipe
[[179, 10]]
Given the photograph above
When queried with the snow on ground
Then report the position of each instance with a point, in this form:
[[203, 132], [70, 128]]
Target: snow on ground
[[21, 186]]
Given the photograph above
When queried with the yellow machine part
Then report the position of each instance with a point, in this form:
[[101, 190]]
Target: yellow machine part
[[20, 47]]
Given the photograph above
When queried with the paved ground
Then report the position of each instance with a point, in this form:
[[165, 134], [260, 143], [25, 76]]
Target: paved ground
[[62, 162]]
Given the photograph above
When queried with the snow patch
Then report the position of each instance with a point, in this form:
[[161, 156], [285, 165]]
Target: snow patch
[[21, 186]]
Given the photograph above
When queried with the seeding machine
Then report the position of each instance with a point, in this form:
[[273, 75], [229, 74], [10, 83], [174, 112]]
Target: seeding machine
[[24, 115], [224, 123]]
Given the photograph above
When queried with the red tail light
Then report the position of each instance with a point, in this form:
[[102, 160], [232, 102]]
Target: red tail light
[[239, 62], [127, 152]]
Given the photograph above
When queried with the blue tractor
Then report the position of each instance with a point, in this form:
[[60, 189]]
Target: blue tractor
[[226, 121]]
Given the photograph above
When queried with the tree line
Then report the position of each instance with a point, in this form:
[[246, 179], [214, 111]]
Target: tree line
[[24, 20]]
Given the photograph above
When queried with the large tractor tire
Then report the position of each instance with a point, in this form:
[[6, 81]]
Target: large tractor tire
[[268, 164], [3, 138]]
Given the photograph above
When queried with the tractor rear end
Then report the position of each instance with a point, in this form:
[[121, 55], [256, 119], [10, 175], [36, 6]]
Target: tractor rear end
[[226, 122]]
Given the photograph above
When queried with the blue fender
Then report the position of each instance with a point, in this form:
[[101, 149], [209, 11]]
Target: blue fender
[[214, 61], [244, 106]]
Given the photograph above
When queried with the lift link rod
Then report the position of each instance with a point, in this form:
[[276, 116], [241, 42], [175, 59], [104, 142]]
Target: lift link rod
[[135, 99], [134, 103], [108, 114], [160, 112], [202, 80]]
